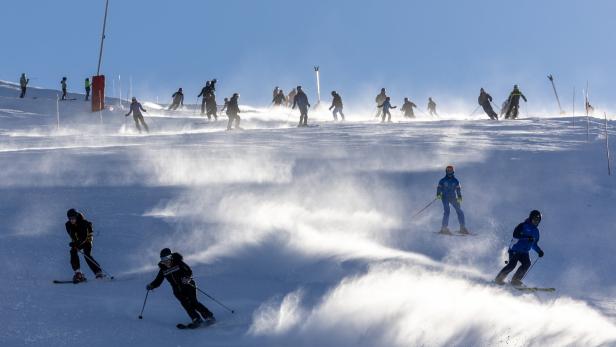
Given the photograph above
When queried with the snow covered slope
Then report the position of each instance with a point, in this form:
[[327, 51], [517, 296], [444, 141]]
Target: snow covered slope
[[307, 233]]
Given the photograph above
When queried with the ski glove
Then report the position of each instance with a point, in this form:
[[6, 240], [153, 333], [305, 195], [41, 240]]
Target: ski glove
[[540, 253], [439, 196], [459, 200], [186, 280], [149, 287]]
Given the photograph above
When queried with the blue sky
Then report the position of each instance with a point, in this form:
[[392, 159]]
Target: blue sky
[[446, 49]]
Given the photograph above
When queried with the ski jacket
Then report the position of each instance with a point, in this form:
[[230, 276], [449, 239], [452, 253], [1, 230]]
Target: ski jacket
[[336, 101], [135, 109], [450, 187], [23, 81], [87, 84], [514, 97], [174, 274], [205, 91], [81, 231], [484, 98], [431, 105], [386, 106], [301, 100], [407, 107], [178, 98], [525, 237], [279, 99], [63, 83], [232, 107], [380, 98]]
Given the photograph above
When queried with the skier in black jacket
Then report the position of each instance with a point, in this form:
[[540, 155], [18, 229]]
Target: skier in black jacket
[[179, 276], [233, 110], [337, 105], [484, 100], [178, 100], [80, 231], [513, 103]]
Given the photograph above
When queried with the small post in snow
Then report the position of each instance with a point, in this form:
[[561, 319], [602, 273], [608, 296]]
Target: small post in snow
[[573, 107], [316, 70], [100, 112], [120, 86], [130, 87], [607, 147], [58, 111], [587, 118]]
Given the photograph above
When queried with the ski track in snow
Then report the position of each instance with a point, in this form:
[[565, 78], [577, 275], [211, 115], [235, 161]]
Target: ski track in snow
[[306, 233]]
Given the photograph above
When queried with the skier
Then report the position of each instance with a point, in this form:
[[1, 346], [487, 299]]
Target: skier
[[301, 101], [87, 86], [279, 98], [450, 192], [275, 92], [233, 111], [63, 84], [179, 276], [135, 109], [224, 107], [291, 97], [513, 103], [484, 100], [337, 105], [178, 99], [23, 83], [80, 231], [432, 107], [407, 108], [525, 237], [385, 107], [204, 91], [380, 99]]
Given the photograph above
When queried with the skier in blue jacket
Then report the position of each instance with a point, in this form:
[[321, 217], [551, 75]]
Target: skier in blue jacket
[[525, 237], [450, 192]]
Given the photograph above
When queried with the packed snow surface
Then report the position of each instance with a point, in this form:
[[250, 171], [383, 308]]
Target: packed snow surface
[[307, 233]]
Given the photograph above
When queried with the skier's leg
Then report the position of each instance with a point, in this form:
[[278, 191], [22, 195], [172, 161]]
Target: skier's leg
[[445, 213], [519, 274], [191, 298], [203, 106], [388, 116], [341, 114], [186, 303], [23, 92], [136, 119], [335, 113], [74, 259], [459, 212], [513, 261], [230, 121], [237, 121], [92, 263], [145, 126]]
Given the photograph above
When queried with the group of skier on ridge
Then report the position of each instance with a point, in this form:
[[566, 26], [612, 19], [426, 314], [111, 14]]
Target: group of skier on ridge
[[179, 274]]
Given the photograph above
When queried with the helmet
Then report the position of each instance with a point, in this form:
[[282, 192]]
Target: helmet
[[134, 99], [165, 252], [535, 215], [382, 90], [299, 87], [449, 169], [515, 86], [72, 213], [333, 92]]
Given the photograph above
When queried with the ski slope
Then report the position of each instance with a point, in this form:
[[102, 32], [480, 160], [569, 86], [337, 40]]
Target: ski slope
[[306, 233]]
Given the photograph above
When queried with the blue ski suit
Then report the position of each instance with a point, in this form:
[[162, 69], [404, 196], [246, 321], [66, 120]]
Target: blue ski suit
[[525, 237], [450, 191]]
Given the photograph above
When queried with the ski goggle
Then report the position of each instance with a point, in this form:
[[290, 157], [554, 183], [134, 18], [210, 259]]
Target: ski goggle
[[166, 258], [449, 169]]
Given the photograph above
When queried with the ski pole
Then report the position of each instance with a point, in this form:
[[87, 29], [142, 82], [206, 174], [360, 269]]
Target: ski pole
[[530, 268], [213, 299], [144, 301], [423, 209], [475, 110], [97, 264]]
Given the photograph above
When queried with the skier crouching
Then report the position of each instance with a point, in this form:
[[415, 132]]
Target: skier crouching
[[179, 276], [80, 231], [525, 237]]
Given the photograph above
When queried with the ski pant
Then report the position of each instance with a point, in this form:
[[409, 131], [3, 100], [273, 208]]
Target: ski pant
[[187, 295], [87, 250], [433, 112], [23, 92], [409, 114], [64, 93], [87, 93], [233, 118], [379, 111], [203, 106], [512, 111], [387, 114], [174, 106], [456, 206], [303, 116], [514, 258], [211, 110], [487, 108], [139, 119], [336, 111]]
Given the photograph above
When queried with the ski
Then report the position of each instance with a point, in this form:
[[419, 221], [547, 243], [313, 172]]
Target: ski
[[453, 234], [204, 324], [67, 281], [535, 289]]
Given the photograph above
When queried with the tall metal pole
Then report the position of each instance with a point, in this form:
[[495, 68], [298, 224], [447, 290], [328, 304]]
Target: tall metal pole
[[587, 118], [100, 52], [551, 78], [316, 70], [573, 107], [607, 147]]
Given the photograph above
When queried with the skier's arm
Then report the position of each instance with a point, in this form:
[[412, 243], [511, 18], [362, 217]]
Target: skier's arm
[[439, 189], [130, 110], [89, 234], [294, 102], [523, 97], [141, 108], [490, 97], [459, 190], [518, 232], [158, 280]]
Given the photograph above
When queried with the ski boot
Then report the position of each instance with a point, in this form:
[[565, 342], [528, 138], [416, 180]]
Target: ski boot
[[445, 230], [517, 284], [209, 320], [464, 231], [196, 322], [100, 275], [78, 277]]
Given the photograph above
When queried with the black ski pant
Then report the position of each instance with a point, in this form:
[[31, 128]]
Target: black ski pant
[[87, 250], [233, 118], [139, 119], [487, 108], [23, 92], [409, 114], [187, 295], [303, 116], [514, 258], [63, 93], [386, 114], [174, 106], [432, 112], [512, 111], [87, 93], [336, 111], [211, 110], [203, 106]]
